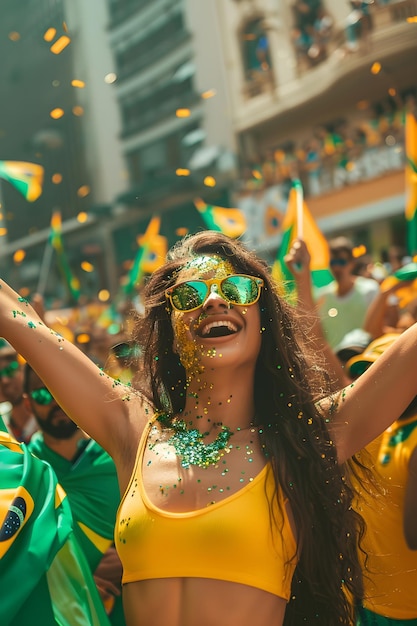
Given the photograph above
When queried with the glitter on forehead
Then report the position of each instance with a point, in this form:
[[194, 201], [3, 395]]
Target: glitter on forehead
[[208, 264]]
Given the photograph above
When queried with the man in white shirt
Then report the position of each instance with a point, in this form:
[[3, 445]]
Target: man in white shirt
[[342, 304]]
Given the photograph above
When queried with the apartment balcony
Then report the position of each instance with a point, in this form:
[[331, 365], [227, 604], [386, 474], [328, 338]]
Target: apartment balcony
[[339, 80]]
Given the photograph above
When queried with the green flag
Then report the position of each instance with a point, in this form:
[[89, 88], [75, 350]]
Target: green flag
[[230, 222], [149, 257], [92, 492], [27, 178], [44, 577], [299, 222], [55, 240], [136, 272]]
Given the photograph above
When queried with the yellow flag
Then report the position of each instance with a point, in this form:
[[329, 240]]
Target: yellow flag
[[311, 234], [156, 247], [411, 181], [230, 222]]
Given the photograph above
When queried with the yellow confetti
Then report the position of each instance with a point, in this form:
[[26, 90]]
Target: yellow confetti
[[359, 251], [57, 113], [82, 217], [83, 191], [210, 181], [19, 256], [87, 267], [83, 338], [183, 112], [49, 34], [103, 295], [60, 44]]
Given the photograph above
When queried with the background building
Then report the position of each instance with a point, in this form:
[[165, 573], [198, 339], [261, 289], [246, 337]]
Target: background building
[[58, 111], [175, 100], [319, 93], [172, 133]]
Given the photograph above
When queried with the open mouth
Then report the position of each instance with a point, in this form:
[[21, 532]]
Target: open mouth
[[218, 329]]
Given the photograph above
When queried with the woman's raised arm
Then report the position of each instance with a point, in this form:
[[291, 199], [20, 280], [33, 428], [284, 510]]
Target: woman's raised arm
[[361, 411], [97, 403]]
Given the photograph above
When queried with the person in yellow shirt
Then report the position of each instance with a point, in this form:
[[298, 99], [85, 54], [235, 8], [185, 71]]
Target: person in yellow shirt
[[390, 541]]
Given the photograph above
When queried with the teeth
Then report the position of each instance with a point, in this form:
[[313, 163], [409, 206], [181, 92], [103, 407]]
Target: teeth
[[232, 327]]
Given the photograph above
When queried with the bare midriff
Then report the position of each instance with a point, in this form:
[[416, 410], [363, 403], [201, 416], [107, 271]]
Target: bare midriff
[[199, 602]]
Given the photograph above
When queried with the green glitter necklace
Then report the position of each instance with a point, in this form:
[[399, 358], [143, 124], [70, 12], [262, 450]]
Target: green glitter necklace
[[189, 443]]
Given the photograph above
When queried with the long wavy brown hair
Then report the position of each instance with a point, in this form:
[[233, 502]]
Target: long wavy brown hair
[[288, 382]]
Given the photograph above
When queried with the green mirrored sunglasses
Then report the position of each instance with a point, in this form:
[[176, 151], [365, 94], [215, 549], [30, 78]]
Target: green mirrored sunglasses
[[42, 396], [125, 350], [237, 289], [10, 370]]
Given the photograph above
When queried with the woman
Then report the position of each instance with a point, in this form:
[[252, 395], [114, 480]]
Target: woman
[[237, 495]]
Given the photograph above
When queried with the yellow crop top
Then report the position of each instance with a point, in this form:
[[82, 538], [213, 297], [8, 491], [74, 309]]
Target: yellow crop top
[[232, 540]]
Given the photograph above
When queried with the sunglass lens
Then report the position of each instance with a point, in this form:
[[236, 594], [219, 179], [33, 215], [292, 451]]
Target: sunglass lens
[[240, 289], [42, 396], [189, 295], [125, 350], [10, 370]]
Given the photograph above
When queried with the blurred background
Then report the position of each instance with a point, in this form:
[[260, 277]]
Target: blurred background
[[141, 109]]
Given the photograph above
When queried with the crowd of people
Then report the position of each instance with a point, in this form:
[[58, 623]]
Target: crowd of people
[[338, 153], [314, 28], [237, 459], [388, 502]]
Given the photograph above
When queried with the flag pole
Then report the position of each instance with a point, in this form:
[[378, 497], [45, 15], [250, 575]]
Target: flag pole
[[45, 268], [300, 208]]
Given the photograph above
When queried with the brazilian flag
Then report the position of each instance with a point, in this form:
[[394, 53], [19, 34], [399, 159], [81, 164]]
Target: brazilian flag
[[44, 578], [55, 240], [307, 230], [25, 177], [230, 222]]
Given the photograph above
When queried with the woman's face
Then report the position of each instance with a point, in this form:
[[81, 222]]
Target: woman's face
[[217, 333]]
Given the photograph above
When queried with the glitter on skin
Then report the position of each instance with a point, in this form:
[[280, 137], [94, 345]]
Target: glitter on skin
[[208, 264], [189, 445], [187, 349], [189, 352], [178, 442]]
